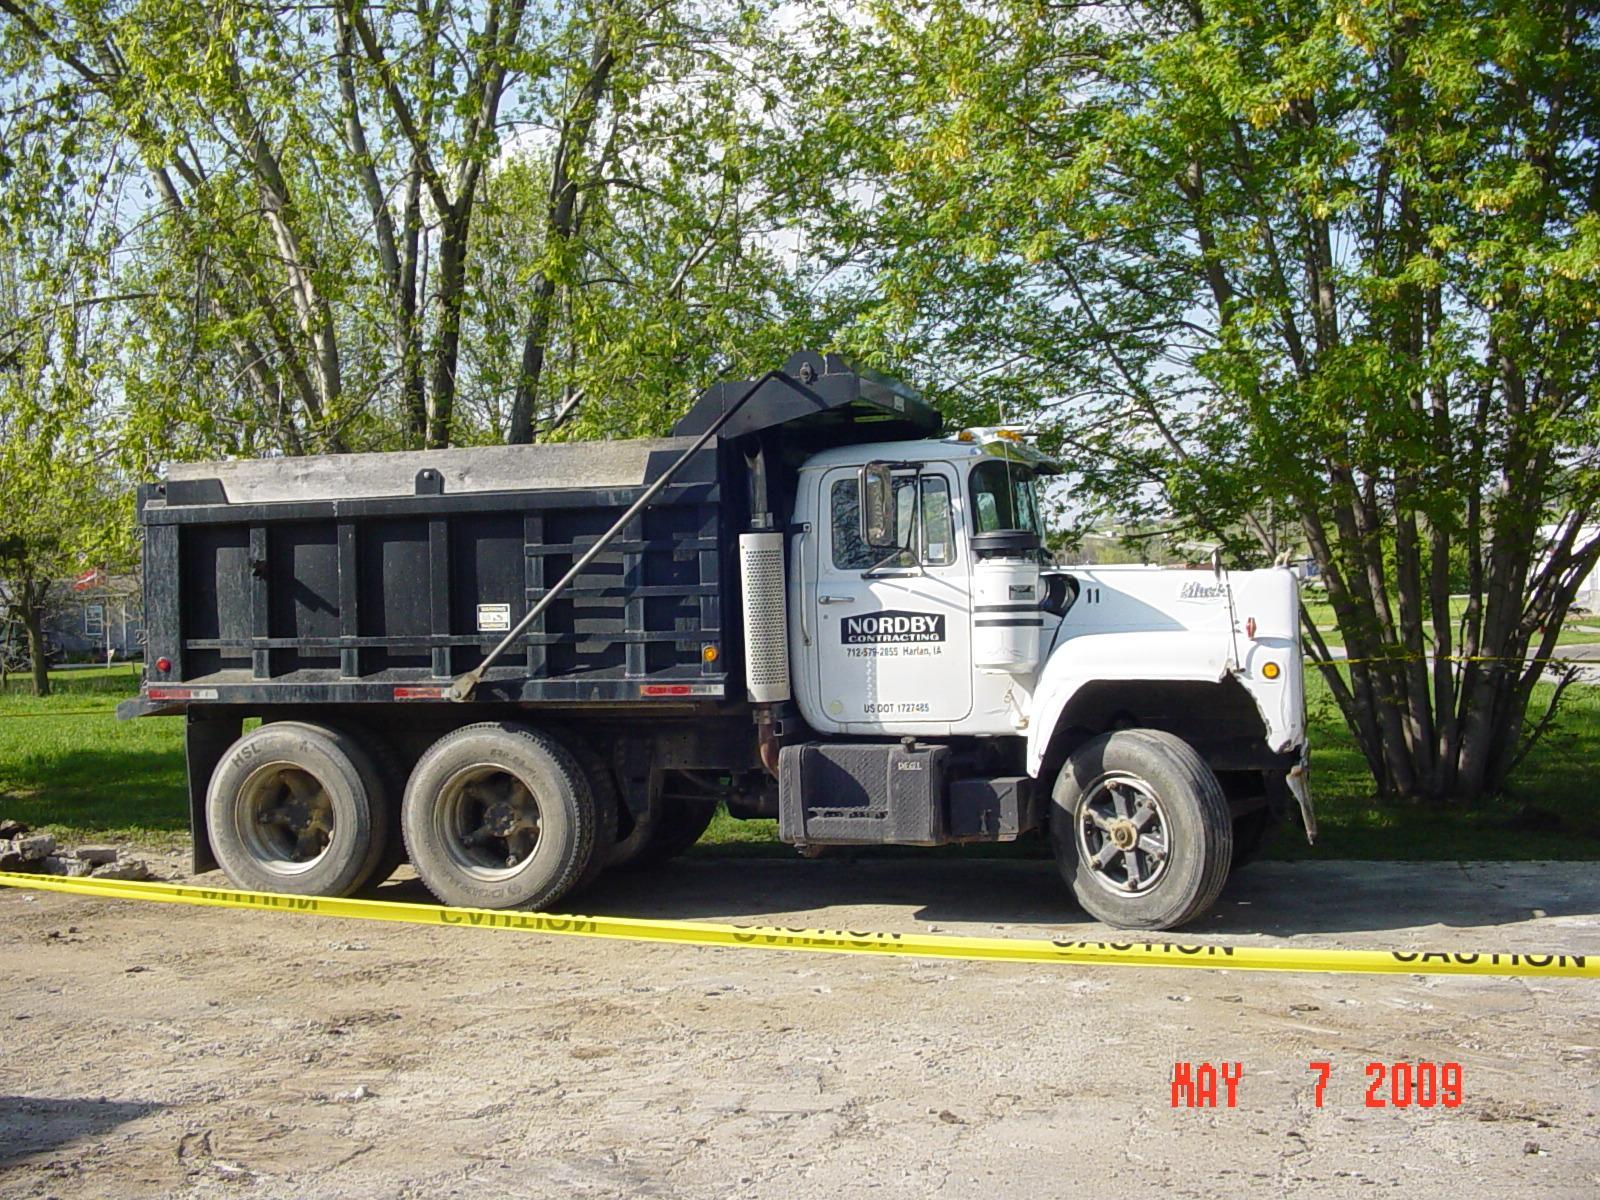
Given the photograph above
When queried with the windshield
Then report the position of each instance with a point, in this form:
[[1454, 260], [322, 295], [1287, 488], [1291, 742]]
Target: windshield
[[1003, 497]]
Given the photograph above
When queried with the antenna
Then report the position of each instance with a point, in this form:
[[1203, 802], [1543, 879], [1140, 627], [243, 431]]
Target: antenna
[[1221, 573]]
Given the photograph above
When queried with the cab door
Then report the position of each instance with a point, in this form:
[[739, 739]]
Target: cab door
[[893, 637]]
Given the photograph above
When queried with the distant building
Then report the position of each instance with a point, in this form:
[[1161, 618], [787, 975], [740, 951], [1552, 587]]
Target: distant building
[[1589, 590], [1588, 596], [99, 614], [1308, 571]]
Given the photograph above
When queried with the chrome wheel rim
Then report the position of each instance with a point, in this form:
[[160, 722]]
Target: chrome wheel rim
[[488, 821], [284, 818], [1122, 834]]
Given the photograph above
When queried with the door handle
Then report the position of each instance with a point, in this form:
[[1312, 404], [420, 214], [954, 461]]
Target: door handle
[[836, 599], [800, 566]]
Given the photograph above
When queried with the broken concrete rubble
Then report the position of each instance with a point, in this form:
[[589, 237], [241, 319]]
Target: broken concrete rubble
[[131, 868], [56, 864], [33, 848], [38, 854]]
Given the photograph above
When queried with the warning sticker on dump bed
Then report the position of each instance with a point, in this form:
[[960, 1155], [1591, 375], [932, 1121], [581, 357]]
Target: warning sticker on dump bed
[[494, 618]]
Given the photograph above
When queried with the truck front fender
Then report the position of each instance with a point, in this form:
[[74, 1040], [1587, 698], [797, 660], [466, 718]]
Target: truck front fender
[[1155, 657]]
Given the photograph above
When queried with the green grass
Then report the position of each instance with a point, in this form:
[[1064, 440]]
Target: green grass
[[69, 767], [1551, 810]]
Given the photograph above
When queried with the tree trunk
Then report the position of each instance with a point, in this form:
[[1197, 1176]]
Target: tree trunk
[[560, 229], [414, 404], [452, 284], [32, 617], [535, 338]]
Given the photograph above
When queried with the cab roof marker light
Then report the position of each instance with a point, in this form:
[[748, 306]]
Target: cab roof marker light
[[988, 433], [1009, 444]]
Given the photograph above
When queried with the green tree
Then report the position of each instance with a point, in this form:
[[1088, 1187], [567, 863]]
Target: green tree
[[62, 506], [308, 244], [1243, 259], [627, 255]]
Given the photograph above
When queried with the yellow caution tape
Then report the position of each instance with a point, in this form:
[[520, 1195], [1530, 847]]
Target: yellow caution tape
[[1408, 657], [845, 941]]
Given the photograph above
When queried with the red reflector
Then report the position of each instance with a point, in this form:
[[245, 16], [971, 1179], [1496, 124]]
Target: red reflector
[[180, 693], [665, 689], [1250, 628], [163, 664], [419, 693]]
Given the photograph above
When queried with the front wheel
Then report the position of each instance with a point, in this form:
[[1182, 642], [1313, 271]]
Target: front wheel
[[1141, 830]]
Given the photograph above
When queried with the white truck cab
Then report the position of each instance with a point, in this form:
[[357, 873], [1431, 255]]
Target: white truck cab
[[923, 607], [953, 632]]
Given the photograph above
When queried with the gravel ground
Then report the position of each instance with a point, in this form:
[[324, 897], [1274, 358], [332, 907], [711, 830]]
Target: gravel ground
[[164, 1051]]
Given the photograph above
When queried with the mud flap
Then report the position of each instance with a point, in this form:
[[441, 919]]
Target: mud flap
[[1300, 788], [206, 738]]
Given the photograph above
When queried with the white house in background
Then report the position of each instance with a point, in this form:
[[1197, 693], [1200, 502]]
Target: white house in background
[[1588, 596], [1589, 589], [94, 615]]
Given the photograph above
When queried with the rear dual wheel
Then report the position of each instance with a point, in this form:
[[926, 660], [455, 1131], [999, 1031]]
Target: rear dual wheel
[[607, 805], [301, 809], [498, 815], [677, 816], [678, 823]]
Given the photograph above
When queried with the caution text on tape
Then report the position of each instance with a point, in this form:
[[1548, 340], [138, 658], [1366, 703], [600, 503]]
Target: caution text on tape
[[846, 941]]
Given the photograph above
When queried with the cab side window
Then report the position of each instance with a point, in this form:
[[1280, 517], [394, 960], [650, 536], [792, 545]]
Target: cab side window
[[938, 524], [850, 553]]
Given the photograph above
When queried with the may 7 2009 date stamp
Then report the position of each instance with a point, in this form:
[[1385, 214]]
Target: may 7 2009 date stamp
[[1389, 1085]]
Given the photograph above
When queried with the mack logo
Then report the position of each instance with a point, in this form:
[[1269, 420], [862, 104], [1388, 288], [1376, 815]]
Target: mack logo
[[1194, 590], [877, 628]]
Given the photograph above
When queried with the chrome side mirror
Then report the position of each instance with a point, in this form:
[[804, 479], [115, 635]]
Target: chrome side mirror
[[879, 530]]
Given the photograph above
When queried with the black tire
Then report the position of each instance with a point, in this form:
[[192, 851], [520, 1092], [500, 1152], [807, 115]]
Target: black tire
[[284, 789], [607, 806], [634, 835], [1251, 832], [392, 773], [679, 825], [1133, 784], [499, 815]]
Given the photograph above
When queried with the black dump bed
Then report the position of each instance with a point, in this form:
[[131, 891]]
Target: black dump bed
[[373, 576], [380, 577]]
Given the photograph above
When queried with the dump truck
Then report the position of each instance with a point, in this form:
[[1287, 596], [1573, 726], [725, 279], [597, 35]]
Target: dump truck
[[520, 666]]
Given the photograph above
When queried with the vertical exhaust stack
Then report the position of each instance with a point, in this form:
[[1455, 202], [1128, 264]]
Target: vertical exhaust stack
[[766, 619]]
